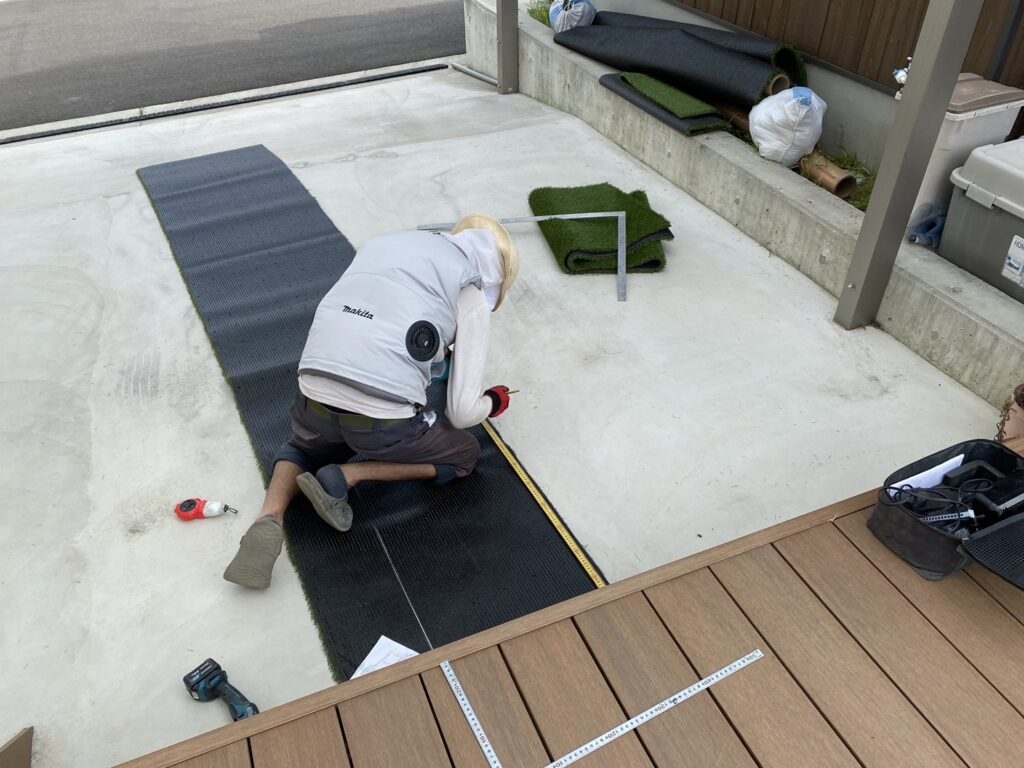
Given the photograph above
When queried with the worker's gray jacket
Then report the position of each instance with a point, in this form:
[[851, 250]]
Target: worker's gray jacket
[[390, 316]]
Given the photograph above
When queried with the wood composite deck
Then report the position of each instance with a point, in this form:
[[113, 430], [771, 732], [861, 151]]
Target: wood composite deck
[[866, 664]]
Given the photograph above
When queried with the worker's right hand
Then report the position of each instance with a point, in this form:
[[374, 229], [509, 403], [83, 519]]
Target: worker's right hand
[[499, 400]]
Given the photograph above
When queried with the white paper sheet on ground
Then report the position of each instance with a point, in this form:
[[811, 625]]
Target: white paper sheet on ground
[[385, 653], [931, 477]]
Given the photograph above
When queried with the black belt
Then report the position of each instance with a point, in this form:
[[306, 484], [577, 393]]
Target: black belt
[[348, 418]]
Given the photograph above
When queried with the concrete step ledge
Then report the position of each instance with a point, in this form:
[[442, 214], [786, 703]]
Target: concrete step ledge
[[963, 326]]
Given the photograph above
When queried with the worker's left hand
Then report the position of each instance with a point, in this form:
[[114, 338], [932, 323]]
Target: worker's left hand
[[499, 400]]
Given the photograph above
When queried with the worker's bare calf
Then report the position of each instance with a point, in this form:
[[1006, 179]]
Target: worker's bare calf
[[386, 471], [328, 490], [281, 491]]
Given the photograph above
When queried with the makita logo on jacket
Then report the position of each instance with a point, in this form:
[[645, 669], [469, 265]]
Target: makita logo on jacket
[[360, 312]]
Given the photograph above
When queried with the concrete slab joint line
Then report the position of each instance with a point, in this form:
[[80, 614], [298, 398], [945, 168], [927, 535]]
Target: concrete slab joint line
[[967, 329]]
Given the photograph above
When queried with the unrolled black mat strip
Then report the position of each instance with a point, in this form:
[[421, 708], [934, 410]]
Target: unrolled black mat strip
[[422, 565]]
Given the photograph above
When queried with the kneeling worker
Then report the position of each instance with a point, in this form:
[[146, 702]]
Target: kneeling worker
[[378, 337]]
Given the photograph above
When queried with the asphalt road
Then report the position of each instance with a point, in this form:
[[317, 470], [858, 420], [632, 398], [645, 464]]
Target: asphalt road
[[61, 59]]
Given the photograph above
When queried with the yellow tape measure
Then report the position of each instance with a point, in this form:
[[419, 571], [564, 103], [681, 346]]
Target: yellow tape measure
[[567, 537]]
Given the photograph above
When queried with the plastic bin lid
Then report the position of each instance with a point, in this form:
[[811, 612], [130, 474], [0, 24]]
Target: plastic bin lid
[[994, 176], [973, 92]]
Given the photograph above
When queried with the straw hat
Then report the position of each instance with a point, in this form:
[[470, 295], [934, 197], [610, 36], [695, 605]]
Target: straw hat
[[509, 255]]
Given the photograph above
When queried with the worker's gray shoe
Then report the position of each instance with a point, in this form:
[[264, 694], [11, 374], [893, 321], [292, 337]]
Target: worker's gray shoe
[[328, 493], [257, 553]]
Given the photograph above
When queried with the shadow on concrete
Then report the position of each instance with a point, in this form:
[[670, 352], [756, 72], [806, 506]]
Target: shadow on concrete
[[284, 54]]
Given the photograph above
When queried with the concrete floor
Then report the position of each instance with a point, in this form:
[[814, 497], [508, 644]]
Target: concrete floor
[[718, 400]]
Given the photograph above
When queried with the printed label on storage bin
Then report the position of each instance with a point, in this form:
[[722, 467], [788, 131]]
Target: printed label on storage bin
[[1013, 269]]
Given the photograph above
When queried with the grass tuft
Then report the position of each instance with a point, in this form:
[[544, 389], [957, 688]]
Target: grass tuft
[[539, 10], [865, 176]]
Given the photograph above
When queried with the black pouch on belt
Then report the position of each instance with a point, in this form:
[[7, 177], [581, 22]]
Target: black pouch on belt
[[995, 540]]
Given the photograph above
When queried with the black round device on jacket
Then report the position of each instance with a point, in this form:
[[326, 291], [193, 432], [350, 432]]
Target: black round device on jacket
[[422, 341]]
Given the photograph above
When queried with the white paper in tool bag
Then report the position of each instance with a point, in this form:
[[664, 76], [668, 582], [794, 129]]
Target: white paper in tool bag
[[786, 126]]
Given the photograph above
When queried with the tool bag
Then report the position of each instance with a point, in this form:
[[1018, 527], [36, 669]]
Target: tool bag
[[935, 550]]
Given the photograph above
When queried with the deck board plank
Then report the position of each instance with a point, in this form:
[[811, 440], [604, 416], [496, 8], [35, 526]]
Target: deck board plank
[[926, 667], [644, 666], [235, 755], [568, 698], [491, 691], [393, 727], [966, 615], [779, 724], [848, 687], [1003, 592], [311, 740]]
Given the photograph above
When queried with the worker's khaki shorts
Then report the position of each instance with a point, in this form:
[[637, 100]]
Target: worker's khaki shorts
[[321, 436]]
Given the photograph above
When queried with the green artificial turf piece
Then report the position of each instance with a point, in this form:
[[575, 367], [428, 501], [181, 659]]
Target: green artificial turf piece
[[590, 245], [680, 104], [649, 257], [791, 61]]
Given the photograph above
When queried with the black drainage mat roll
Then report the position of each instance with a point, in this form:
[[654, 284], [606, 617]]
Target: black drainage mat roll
[[711, 64], [421, 565]]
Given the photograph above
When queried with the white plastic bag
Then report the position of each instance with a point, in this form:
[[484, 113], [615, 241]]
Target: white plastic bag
[[566, 14], [786, 126]]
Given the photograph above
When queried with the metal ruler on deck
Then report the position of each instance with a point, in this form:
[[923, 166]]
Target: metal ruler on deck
[[467, 709], [605, 738]]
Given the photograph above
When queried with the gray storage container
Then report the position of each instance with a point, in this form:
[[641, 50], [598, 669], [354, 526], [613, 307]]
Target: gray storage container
[[984, 231], [980, 112]]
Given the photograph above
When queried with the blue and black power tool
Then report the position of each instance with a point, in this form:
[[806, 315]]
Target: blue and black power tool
[[209, 681]]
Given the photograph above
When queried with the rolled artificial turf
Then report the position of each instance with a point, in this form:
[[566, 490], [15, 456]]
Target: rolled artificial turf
[[591, 245], [691, 126], [680, 104]]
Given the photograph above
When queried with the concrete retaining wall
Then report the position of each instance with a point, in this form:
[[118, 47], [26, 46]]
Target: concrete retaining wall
[[858, 116], [964, 327]]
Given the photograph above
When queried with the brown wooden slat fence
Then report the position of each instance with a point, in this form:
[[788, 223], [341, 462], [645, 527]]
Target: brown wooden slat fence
[[870, 37]]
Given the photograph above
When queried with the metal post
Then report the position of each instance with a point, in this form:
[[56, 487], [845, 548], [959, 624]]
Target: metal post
[[938, 57], [508, 46]]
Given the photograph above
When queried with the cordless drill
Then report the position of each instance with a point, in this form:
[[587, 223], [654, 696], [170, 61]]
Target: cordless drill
[[209, 681]]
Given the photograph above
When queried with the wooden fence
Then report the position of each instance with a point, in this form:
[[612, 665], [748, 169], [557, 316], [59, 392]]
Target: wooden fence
[[871, 37]]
